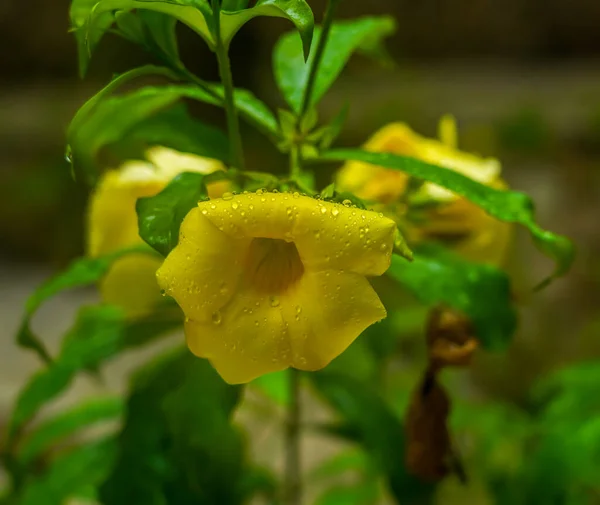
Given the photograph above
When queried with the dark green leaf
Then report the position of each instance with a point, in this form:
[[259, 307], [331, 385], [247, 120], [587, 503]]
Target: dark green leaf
[[176, 129], [376, 429], [99, 334], [71, 474], [361, 493], [162, 32], [346, 37], [160, 216], [178, 444], [234, 5], [79, 14], [510, 206], [66, 424], [297, 11], [92, 19], [482, 292], [82, 272]]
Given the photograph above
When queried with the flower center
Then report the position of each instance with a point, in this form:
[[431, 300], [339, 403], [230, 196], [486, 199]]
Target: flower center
[[273, 265]]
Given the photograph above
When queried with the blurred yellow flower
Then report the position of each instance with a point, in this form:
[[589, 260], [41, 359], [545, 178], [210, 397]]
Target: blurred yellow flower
[[451, 219], [112, 223], [269, 281]]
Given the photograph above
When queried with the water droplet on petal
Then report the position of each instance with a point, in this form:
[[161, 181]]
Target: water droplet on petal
[[274, 301], [335, 211], [223, 289], [235, 206], [216, 317], [260, 191], [323, 210], [347, 203], [295, 194], [227, 196], [204, 212]]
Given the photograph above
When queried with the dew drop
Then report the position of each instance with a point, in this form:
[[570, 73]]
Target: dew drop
[[213, 206], [204, 212], [227, 196], [323, 210], [295, 194], [260, 191], [347, 203], [383, 247], [335, 211], [275, 191], [216, 317], [251, 207], [235, 206], [163, 292], [223, 289], [274, 301]]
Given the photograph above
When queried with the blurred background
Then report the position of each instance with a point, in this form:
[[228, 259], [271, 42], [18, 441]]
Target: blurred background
[[522, 77]]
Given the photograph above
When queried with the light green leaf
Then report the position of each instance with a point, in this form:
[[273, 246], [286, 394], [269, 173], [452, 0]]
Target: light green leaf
[[82, 272], [160, 216], [71, 474], [510, 206], [162, 32], [66, 424], [275, 386], [297, 11], [346, 37], [102, 122], [482, 292]]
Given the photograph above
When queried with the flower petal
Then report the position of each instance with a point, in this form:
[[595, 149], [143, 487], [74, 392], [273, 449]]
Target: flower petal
[[328, 235], [327, 312], [112, 220], [336, 237], [203, 271], [246, 339], [131, 284]]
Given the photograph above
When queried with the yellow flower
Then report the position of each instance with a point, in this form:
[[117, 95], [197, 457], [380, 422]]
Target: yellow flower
[[112, 223], [269, 281], [453, 219]]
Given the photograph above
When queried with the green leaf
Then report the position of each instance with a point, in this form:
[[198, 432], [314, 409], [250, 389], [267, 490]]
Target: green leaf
[[511, 206], [79, 14], [71, 474], [176, 129], [99, 334], [65, 424], [102, 122], [360, 493], [297, 11], [82, 272], [482, 292], [93, 19], [346, 37], [375, 427], [178, 444], [160, 216], [275, 386]]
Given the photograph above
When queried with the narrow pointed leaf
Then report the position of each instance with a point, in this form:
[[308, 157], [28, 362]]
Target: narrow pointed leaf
[[510, 206], [346, 38]]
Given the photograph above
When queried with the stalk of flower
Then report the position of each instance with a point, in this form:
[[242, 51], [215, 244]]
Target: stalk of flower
[[427, 211], [269, 281], [113, 224]]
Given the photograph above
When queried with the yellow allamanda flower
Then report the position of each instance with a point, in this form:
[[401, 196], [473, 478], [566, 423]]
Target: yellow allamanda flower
[[453, 219], [112, 223], [269, 281]]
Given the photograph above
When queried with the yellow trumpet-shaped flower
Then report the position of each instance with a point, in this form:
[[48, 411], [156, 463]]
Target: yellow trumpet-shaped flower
[[452, 219], [112, 223], [269, 281]]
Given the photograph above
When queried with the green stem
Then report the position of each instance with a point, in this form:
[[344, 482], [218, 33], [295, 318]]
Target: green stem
[[295, 167], [293, 481], [233, 123], [316, 62]]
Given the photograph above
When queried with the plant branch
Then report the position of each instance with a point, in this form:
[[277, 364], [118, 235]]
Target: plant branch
[[233, 124], [293, 482]]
